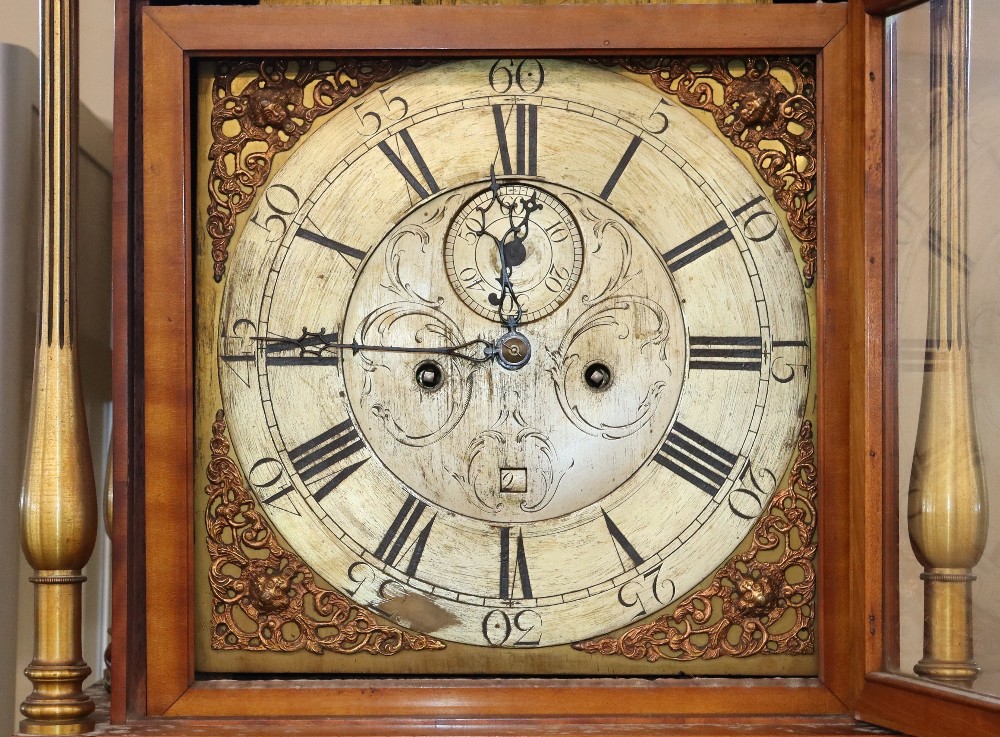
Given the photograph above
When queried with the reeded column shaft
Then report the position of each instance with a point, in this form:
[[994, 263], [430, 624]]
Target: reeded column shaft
[[947, 499], [58, 501]]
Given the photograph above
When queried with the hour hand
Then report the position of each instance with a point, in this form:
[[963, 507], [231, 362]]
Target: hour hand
[[321, 347]]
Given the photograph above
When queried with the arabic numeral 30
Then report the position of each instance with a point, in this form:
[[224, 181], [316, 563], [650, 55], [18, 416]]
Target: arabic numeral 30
[[524, 629]]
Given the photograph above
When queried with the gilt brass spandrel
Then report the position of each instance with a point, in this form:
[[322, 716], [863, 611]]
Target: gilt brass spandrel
[[269, 105], [765, 107]]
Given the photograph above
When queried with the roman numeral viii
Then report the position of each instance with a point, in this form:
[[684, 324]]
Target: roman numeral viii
[[726, 353], [696, 459], [525, 159], [396, 541], [424, 184], [324, 451]]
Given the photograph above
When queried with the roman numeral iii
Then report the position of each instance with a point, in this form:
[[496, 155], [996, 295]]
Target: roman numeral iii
[[726, 353]]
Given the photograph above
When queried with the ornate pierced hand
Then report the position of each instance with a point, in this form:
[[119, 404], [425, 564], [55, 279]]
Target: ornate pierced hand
[[317, 344], [510, 247]]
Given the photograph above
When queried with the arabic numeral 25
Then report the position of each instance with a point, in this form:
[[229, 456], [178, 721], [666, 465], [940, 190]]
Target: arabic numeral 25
[[524, 629], [648, 593]]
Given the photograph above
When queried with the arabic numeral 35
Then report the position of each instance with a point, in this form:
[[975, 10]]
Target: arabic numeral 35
[[524, 629]]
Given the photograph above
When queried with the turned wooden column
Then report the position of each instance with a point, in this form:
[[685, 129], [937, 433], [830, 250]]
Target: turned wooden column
[[947, 500], [58, 501]]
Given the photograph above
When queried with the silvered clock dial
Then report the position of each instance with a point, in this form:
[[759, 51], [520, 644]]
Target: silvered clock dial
[[518, 340]]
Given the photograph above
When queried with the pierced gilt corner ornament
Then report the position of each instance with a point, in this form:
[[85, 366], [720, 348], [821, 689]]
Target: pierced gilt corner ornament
[[272, 588], [767, 107], [262, 108], [749, 595]]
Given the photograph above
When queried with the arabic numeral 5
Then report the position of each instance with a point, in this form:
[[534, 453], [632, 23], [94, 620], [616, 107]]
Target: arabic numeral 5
[[524, 629], [657, 121], [274, 213], [646, 594], [747, 501]]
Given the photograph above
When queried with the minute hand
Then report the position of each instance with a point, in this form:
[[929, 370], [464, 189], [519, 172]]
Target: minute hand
[[313, 344]]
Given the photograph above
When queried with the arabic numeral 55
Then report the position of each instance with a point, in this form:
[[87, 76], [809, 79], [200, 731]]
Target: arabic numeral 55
[[524, 629]]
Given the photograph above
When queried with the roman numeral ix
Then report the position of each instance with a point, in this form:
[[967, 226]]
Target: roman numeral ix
[[696, 459], [315, 456]]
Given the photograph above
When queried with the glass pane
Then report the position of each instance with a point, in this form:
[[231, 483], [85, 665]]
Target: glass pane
[[934, 348]]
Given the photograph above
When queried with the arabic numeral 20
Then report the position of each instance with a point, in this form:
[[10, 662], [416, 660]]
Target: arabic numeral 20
[[747, 501], [524, 629]]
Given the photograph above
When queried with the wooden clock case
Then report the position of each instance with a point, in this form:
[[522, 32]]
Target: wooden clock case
[[154, 684]]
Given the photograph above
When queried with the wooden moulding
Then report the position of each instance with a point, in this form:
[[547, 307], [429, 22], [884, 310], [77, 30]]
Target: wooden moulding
[[889, 7], [153, 657]]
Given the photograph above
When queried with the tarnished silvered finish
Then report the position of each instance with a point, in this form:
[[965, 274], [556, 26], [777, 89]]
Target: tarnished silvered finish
[[947, 500], [274, 590], [765, 106], [270, 105], [58, 500], [751, 594]]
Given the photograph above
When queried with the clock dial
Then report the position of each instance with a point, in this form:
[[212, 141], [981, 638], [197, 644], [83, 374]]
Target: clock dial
[[514, 351]]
